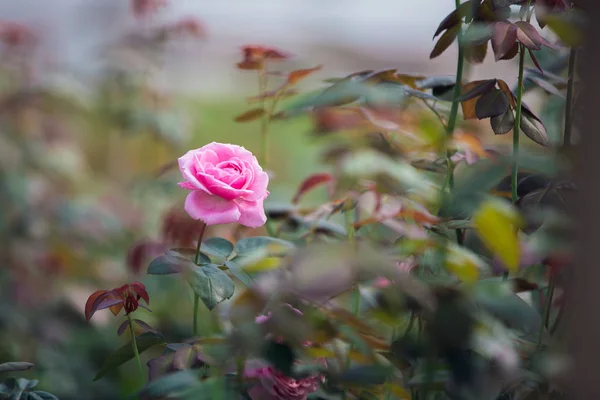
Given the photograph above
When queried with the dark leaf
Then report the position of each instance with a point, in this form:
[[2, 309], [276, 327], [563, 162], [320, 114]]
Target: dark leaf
[[492, 104], [312, 182], [505, 3], [506, 89], [528, 35], [547, 86], [250, 115], [503, 123], [123, 327], [217, 247], [533, 127], [144, 326], [44, 395], [453, 19], [15, 366], [125, 353], [171, 384], [445, 41], [535, 60], [503, 38], [365, 375], [476, 89], [433, 82], [211, 284], [171, 263], [280, 355]]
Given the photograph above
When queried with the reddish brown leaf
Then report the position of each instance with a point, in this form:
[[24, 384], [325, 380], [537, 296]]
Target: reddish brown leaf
[[310, 183], [140, 289], [512, 52], [445, 41], [89, 310], [476, 89], [250, 115], [528, 35], [504, 37], [116, 309], [506, 89], [296, 76], [535, 61]]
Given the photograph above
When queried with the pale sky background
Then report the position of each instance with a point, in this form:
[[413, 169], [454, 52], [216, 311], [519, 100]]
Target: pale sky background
[[344, 35]]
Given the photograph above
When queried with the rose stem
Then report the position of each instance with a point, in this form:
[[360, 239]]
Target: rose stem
[[196, 296], [136, 353]]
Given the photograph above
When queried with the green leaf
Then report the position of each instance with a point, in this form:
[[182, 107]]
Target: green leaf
[[171, 263], [249, 245], [125, 353], [492, 104], [365, 375], [496, 296], [211, 284], [217, 247], [15, 366], [44, 395], [171, 384], [237, 271]]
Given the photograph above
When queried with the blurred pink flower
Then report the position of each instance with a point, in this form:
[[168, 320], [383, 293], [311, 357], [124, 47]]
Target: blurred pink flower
[[227, 185], [404, 266], [273, 384]]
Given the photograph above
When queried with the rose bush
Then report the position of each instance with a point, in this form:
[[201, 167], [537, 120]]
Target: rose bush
[[227, 185]]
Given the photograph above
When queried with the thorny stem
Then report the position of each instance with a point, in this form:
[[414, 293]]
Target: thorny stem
[[136, 353], [569, 105], [196, 296]]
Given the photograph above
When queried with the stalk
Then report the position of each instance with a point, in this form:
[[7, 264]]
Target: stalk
[[136, 353], [569, 105], [196, 296]]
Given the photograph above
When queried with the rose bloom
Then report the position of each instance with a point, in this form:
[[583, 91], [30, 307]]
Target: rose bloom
[[227, 185]]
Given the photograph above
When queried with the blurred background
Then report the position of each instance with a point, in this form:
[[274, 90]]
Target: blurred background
[[97, 96]]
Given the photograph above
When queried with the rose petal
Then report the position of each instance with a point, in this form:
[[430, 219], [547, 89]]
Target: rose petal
[[252, 213], [211, 209]]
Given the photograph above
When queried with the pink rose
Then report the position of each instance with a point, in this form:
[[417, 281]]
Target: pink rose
[[227, 185]]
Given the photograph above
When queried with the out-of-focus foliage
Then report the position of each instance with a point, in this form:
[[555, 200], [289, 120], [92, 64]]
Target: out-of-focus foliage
[[415, 277]]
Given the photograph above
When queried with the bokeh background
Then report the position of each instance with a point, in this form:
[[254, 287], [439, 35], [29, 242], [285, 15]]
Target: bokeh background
[[96, 100]]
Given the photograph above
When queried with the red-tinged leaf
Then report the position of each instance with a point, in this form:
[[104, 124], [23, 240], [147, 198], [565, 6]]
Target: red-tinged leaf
[[140, 289], [250, 65], [250, 115], [492, 104], [296, 76], [89, 304], [123, 327], [535, 61], [528, 35], [108, 299], [504, 37], [116, 309], [445, 41], [512, 52], [310, 183], [476, 89]]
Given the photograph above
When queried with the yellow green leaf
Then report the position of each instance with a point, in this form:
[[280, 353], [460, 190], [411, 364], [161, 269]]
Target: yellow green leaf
[[497, 223], [463, 263], [263, 265]]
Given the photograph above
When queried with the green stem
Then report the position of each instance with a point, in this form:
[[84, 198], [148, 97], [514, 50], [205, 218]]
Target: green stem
[[264, 123], [569, 105], [196, 296], [517, 127], [547, 307], [136, 353]]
